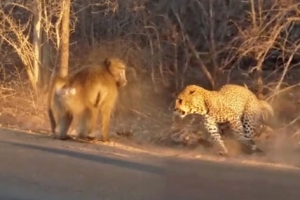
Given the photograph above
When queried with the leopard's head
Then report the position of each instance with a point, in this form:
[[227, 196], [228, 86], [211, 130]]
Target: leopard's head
[[190, 101]]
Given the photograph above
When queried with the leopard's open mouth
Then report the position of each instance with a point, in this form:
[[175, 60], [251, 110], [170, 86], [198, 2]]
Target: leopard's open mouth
[[179, 113]]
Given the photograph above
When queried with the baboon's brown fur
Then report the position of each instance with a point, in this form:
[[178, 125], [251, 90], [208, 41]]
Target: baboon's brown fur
[[84, 94]]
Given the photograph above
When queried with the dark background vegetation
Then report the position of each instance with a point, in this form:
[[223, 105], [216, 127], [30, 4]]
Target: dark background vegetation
[[170, 44]]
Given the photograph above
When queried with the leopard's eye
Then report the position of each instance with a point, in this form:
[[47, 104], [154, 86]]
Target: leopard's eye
[[180, 101]]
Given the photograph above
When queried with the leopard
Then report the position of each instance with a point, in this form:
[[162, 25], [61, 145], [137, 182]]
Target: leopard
[[231, 104]]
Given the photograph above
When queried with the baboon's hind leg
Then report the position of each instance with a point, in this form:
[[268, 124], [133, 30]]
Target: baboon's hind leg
[[87, 123], [64, 123]]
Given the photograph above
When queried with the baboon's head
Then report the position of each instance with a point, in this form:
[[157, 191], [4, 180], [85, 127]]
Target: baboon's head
[[117, 69]]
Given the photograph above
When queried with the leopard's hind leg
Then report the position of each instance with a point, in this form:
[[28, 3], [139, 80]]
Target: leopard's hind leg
[[243, 131], [249, 125]]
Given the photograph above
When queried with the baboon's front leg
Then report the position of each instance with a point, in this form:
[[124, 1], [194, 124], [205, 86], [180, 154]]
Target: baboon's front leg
[[105, 124]]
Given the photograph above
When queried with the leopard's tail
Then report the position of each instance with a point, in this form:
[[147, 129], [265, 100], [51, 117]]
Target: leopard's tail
[[267, 110]]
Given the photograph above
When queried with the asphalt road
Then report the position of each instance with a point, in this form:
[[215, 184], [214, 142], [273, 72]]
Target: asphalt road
[[37, 167]]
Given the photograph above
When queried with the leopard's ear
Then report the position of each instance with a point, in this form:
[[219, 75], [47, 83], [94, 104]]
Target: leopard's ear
[[192, 91]]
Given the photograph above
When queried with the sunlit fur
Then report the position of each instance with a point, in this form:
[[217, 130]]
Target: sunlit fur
[[84, 94], [231, 104]]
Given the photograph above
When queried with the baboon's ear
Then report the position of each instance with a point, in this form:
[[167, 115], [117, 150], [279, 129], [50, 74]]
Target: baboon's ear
[[107, 62]]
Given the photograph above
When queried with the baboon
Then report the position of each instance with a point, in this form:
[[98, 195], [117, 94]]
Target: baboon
[[84, 94]]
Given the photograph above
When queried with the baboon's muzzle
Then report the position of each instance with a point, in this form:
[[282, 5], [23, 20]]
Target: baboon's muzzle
[[122, 83]]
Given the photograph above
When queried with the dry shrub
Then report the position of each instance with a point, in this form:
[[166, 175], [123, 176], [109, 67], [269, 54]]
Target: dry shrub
[[172, 43]]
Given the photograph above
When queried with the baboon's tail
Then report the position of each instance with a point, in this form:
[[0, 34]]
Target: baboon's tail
[[56, 82], [52, 120], [267, 110]]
